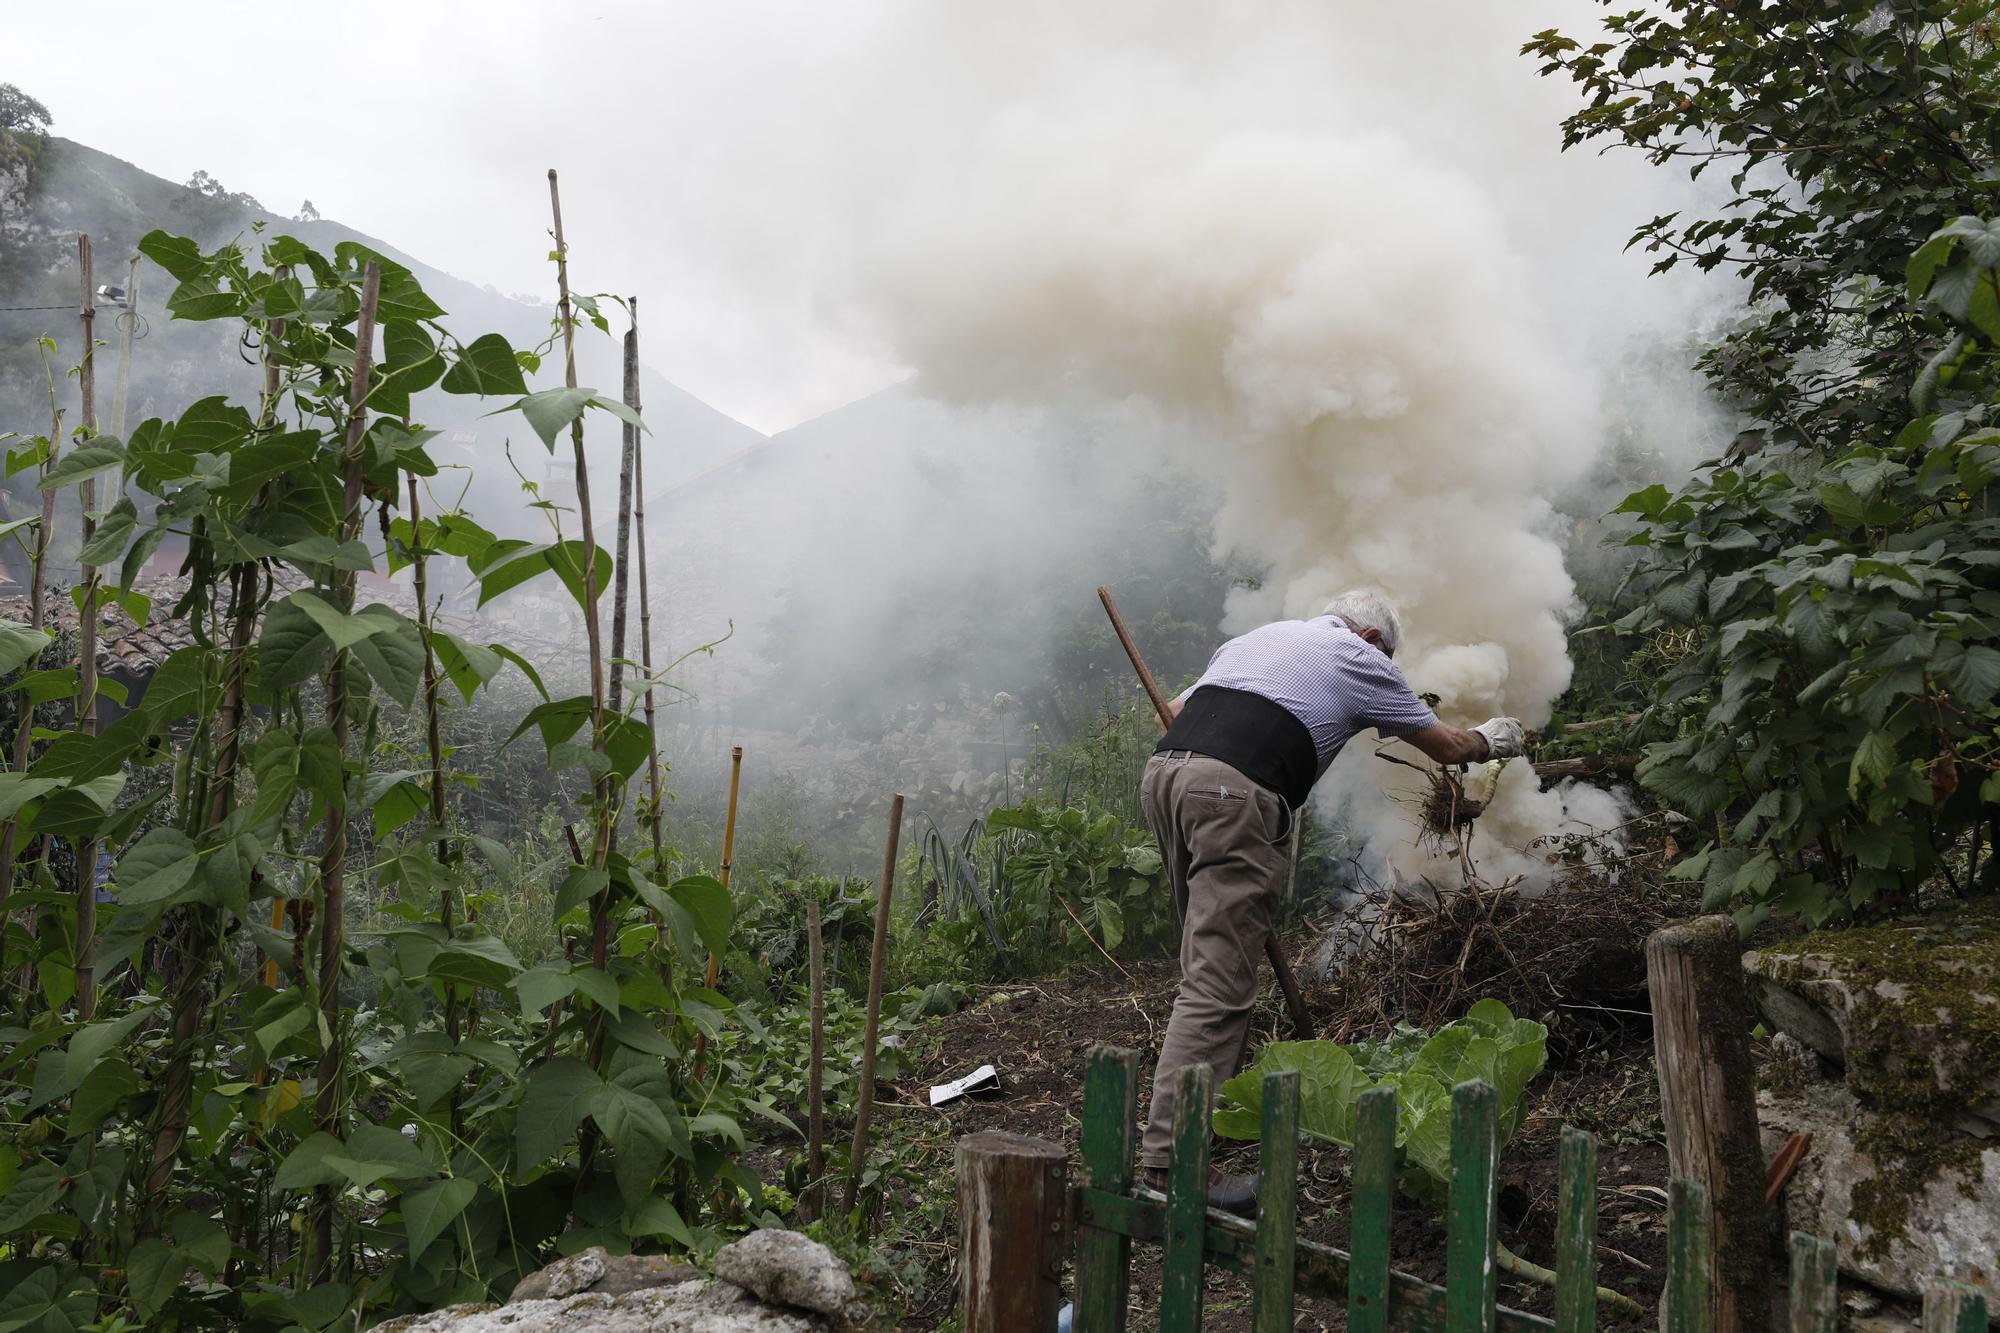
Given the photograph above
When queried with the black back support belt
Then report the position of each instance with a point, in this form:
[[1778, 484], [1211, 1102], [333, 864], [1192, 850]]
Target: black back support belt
[[1256, 737]]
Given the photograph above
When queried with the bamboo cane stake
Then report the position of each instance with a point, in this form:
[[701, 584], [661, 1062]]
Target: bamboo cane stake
[[600, 849], [815, 1097], [645, 615], [874, 1024], [268, 418], [24, 726], [728, 843], [434, 742], [627, 460], [333, 861], [1295, 1000], [86, 653]]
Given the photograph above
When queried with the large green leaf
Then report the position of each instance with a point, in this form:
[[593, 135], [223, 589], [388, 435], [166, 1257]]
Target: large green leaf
[[153, 1273], [34, 1191], [372, 1153], [290, 649], [485, 366], [559, 1095], [156, 868], [707, 904], [429, 1210], [1329, 1085], [101, 454]]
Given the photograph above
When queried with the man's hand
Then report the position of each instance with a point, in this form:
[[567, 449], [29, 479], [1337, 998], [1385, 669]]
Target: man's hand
[[1497, 738], [1450, 745], [1504, 736]]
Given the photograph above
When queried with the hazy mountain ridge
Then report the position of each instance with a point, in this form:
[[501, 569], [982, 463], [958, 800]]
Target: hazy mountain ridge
[[78, 189]]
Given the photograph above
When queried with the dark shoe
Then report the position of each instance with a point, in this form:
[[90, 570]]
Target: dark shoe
[[1228, 1191]]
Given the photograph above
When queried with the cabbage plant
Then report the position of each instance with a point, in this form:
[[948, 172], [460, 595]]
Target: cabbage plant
[[1488, 1043]]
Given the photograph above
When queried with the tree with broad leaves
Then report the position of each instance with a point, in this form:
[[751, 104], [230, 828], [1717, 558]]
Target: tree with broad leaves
[[1849, 132], [1832, 709]]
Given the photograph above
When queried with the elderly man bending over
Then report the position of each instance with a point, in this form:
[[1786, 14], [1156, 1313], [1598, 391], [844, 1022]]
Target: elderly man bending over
[[1248, 741]]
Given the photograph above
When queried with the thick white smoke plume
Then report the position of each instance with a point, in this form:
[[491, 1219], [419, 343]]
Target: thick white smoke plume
[[1333, 247]]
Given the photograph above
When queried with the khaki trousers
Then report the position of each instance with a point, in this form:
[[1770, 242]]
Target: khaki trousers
[[1220, 834]]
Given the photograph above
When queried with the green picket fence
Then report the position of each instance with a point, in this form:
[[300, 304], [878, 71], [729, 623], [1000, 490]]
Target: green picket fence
[[1110, 1215]]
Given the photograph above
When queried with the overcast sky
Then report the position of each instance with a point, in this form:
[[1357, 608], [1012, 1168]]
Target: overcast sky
[[720, 159], [431, 124]]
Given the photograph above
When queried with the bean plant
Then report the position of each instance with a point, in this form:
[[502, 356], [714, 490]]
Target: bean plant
[[220, 1108]]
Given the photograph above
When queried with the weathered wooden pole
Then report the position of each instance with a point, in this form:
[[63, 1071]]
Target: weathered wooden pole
[[728, 843], [646, 622], [1281, 968], [1011, 1192], [86, 652], [872, 1030], [1708, 1090], [627, 463], [333, 861], [815, 1094]]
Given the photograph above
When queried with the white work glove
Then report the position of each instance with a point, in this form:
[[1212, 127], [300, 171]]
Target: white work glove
[[1504, 737]]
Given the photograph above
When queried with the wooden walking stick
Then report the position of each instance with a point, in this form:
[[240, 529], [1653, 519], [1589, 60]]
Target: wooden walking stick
[[874, 1024], [1295, 1000]]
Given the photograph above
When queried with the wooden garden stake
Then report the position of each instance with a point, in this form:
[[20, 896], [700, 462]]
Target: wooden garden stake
[[729, 842], [815, 1096], [627, 463], [600, 847], [1295, 999], [874, 1022], [86, 651], [24, 728], [1011, 1192], [434, 746], [645, 617], [333, 861], [1701, 1041]]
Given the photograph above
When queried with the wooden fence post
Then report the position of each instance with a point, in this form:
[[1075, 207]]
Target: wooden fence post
[[1110, 1137], [1815, 1285], [1012, 1199], [1469, 1285], [1277, 1204], [1701, 1042], [1374, 1196], [1182, 1258], [1576, 1234], [1952, 1307]]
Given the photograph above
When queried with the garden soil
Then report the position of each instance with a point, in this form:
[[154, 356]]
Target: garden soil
[[1039, 1036]]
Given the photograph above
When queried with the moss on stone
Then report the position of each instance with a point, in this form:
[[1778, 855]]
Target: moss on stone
[[1941, 972], [1909, 1153], [1937, 974]]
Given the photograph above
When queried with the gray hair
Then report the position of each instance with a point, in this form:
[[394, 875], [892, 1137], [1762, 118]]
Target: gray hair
[[1367, 608]]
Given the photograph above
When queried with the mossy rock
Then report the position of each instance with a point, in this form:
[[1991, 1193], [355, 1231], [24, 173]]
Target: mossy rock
[[1910, 1009], [1907, 1202]]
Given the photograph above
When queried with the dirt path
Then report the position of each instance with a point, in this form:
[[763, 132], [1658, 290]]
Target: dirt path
[[1039, 1036]]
